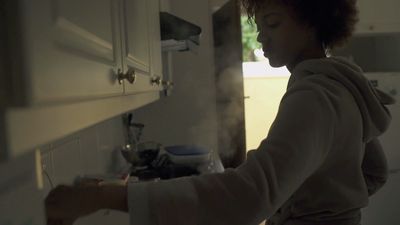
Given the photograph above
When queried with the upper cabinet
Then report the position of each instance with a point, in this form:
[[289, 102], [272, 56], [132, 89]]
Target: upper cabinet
[[141, 47], [69, 50], [135, 23], [155, 43], [64, 50], [378, 16], [69, 64]]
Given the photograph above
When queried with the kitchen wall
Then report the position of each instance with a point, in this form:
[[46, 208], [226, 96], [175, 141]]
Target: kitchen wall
[[377, 53], [188, 116]]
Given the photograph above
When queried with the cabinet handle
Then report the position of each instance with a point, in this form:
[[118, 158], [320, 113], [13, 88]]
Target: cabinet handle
[[168, 84], [156, 80], [130, 76]]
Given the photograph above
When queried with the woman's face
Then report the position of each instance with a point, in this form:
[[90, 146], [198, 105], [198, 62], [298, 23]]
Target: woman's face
[[283, 37]]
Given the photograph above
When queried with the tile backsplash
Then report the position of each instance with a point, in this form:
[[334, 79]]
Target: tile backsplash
[[91, 151]]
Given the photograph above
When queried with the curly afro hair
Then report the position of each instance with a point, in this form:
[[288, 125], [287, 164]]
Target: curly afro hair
[[333, 20]]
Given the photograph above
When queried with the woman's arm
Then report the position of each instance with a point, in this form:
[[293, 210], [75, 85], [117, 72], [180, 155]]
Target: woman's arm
[[68, 203]]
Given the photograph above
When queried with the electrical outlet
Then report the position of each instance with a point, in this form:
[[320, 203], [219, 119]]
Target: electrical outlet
[[39, 171]]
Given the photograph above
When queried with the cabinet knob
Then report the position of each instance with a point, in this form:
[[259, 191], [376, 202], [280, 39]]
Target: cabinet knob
[[156, 81], [168, 84], [130, 76]]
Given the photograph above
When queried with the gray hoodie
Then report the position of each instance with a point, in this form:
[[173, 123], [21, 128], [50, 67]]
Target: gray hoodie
[[376, 117], [318, 164], [375, 121]]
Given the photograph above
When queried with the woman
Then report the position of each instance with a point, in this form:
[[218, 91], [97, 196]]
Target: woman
[[320, 161]]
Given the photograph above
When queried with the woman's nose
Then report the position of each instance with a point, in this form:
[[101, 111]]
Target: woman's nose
[[262, 37], [259, 38]]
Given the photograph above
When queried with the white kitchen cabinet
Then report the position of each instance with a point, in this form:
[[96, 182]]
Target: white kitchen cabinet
[[63, 50], [156, 69], [69, 50], [3, 87], [68, 64], [142, 46], [135, 21], [378, 16]]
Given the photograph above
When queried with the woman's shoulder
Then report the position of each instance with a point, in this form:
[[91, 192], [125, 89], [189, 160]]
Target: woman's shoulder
[[324, 93], [320, 84]]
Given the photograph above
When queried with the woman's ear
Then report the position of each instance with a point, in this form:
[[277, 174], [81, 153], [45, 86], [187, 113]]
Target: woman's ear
[[312, 34], [312, 31]]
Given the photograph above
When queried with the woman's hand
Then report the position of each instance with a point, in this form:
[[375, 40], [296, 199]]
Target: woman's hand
[[65, 204]]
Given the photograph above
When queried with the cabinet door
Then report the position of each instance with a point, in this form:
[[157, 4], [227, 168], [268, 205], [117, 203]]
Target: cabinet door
[[70, 50], [155, 39], [139, 22], [378, 16]]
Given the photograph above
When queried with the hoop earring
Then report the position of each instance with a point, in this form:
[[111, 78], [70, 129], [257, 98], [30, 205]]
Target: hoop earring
[[326, 50]]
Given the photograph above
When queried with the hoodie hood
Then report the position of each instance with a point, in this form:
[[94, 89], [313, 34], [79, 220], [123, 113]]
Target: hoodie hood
[[371, 101]]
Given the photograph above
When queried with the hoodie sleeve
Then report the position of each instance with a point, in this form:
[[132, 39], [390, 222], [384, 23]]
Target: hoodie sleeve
[[374, 166], [296, 146]]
